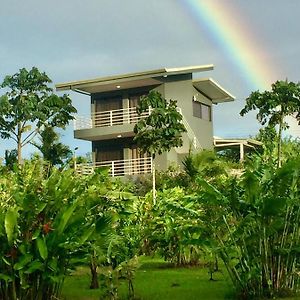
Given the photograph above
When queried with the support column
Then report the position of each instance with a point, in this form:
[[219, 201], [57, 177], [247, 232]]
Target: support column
[[241, 152], [126, 114]]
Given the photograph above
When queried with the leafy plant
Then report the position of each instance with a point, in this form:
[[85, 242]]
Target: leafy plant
[[29, 104], [52, 150], [45, 226], [162, 129], [258, 228], [274, 106]]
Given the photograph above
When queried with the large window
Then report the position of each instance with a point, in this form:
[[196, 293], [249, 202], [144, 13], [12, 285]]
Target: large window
[[202, 111]]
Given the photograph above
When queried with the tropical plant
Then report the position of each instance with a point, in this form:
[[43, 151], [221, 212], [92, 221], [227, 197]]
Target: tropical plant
[[45, 225], [11, 158], [29, 104], [52, 150], [161, 130], [174, 227], [257, 228], [274, 106]]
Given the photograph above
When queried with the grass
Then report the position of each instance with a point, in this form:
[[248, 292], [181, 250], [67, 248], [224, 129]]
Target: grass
[[158, 280]]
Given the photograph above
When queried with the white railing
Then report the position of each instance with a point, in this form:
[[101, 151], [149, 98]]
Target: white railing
[[191, 134], [123, 167], [108, 118]]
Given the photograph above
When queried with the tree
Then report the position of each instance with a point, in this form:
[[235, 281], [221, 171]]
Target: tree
[[53, 151], [11, 158], [28, 105], [161, 130], [274, 106]]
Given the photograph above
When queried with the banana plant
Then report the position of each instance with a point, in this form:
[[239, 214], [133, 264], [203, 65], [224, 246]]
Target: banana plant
[[46, 222], [257, 227]]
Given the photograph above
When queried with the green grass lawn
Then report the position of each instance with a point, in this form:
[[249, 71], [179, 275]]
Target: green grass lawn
[[157, 280]]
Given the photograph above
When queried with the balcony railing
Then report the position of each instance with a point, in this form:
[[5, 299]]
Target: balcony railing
[[124, 167], [109, 118]]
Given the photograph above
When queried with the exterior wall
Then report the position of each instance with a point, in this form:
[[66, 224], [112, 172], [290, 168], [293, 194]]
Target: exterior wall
[[183, 91]]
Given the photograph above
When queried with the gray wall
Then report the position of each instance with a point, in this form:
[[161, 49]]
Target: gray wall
[[183, 92]]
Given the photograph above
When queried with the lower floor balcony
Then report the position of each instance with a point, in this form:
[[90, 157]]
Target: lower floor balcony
[[124, 167]]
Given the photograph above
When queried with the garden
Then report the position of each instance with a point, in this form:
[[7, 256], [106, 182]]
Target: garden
[[215, 228]]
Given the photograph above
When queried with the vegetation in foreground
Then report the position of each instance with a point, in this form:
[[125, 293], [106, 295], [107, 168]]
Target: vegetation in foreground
[[52, 220]]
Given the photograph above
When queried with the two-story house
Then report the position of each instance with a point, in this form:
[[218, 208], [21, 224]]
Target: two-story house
[[113, 115]]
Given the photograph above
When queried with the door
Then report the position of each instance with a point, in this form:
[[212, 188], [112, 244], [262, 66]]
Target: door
[[108, 111]]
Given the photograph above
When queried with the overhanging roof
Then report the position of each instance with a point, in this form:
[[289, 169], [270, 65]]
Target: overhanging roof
[[209, 88], [229, 143], [126, 81]]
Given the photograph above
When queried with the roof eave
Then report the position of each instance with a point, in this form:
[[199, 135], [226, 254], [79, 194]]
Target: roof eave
[[76, 85]]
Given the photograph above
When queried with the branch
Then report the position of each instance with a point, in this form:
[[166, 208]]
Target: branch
[[30, 137]]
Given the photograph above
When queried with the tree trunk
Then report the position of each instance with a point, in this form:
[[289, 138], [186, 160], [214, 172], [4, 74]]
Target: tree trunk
[[94, 274], [19, 139], [153, 181], [279, 141]]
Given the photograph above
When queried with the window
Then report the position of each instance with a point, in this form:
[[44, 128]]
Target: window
[[202, 111], [205, 112], [197, 109]]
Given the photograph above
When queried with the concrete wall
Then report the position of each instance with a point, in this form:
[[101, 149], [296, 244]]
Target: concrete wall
[[183, 91]]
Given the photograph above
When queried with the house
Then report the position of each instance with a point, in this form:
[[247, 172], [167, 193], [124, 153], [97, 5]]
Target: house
[[113, 115]]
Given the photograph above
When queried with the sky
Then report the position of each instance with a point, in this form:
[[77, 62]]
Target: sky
[[251, 44]]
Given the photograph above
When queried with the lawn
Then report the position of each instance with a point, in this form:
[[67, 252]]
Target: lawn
[[156, 280]]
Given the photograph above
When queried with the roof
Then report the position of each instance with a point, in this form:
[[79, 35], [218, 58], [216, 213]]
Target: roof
[[227, 143], [207, 87], [212, 90]]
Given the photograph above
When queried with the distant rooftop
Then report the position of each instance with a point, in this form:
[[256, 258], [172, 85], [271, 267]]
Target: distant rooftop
[[148, 78]]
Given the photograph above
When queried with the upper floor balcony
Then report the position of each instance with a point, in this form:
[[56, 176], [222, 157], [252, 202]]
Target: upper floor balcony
[[108, 118], [107, 124], [120, 123]]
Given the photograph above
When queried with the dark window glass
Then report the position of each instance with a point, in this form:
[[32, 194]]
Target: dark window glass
[[197, 109], [205, 112], [202, 111]]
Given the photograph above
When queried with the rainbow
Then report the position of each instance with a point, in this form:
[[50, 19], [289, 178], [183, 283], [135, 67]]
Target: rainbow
[[224, 25]]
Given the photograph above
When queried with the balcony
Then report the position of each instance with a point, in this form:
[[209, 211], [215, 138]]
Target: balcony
[[136, 166], [108, 118]]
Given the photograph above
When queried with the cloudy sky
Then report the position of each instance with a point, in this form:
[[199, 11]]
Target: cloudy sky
[[251, 43]]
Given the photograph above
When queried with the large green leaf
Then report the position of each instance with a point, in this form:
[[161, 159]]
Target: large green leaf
[[23, 261], [34, 266], [5, 277], [86, 234], [10, 223], [65, 218], [42, 247]]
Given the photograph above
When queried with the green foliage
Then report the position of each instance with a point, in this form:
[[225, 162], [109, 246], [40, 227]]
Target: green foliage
[[46, 225], [173, 227], [255, 223], [11, 158], [29, 104], [208, 165], [273, 106], [53, 151], [162, 129]]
